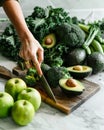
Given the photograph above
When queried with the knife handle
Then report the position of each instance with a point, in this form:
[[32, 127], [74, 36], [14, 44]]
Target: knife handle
[[55, 104]]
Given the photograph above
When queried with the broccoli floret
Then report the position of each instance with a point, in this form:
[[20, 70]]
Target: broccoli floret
[[70, 34], [30, 80], [31, 77], [54, 74], [58, 61], [32, 72]]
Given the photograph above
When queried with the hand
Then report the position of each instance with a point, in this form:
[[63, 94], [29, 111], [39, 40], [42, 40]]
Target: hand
[[32, 52]]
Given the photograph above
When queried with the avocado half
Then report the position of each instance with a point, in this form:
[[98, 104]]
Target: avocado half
[[75, 88], [49, 40], [79, 71]]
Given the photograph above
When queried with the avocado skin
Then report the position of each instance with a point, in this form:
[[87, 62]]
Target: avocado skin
[[45, 68], [96, 61], [71, 92], [80, 74], [76, 57]]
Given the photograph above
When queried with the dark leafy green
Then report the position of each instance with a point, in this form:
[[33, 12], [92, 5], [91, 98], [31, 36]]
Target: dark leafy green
[[41, 22]]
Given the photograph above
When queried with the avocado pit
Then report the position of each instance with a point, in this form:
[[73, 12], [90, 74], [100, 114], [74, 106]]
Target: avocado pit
[[71, 82], [80, 71], [71, 86], [78, 67], [48, 41]]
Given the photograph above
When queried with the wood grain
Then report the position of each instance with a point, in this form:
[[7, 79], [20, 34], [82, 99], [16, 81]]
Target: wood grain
[[64, 103], [68, 104]]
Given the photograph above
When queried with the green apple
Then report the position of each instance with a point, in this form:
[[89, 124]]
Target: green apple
[[14, 86], [22, 112], [32, 95], [6, 103]]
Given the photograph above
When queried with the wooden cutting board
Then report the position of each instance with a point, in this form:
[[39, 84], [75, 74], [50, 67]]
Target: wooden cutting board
[[68, 104], [64, 103]]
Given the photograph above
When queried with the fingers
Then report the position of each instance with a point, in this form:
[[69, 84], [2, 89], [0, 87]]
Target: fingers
[[40, 55], [37, 60], [28, 64], [24, 52], [38, 68], [32, 56]]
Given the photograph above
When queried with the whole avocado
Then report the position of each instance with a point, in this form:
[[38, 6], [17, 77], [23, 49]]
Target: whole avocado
[[96, 61], [76, 57], [45, 67]]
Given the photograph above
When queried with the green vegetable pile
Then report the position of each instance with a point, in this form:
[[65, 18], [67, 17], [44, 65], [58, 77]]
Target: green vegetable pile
[[94, 40], [41, 22], [69, 33]]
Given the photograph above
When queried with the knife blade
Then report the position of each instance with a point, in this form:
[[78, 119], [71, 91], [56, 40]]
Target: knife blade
[[45, 84], [47, 87]]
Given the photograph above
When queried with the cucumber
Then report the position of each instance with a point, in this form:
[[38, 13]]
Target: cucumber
[[84, 27], [97, 46], [102, 47], [92, 49]]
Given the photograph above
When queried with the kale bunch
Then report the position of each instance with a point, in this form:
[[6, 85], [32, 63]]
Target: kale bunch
[[44, 20], [10, 43]]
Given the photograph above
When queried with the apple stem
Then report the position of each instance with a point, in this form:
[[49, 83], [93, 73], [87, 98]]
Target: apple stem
[[24, 103], [16, 81], [1, 94]]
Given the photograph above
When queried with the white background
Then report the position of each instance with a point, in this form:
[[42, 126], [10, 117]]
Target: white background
[[76, 5]]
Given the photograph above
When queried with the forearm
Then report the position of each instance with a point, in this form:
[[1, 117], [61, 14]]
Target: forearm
[[14, 12], [30, 49]]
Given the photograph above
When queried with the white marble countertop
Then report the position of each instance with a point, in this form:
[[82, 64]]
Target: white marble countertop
[[89, 116]]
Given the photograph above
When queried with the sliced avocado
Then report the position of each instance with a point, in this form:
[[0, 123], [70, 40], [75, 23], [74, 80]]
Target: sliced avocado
[[79, 71], [49, 41], [71, 86]]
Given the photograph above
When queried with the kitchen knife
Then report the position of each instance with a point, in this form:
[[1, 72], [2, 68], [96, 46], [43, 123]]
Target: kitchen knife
[[47, 87], [43, 81], [7, 74]]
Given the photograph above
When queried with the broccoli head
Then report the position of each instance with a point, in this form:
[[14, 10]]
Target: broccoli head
[[58, 61], [31, 77], [70, 34], [30, 80], [54, 74], [32, 72]]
